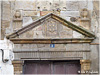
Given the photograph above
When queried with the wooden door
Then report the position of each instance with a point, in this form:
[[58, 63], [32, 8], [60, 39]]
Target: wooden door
[[51, 67]]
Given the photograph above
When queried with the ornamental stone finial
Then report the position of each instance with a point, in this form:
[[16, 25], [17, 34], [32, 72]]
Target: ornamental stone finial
[[84, 13], [17, 14]]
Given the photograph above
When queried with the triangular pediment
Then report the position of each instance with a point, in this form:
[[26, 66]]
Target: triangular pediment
[[51, 26]]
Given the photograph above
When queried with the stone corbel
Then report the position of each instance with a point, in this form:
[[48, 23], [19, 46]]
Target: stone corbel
[[85, 66]]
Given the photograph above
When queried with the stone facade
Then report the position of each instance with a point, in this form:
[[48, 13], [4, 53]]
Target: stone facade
[[33, 10]]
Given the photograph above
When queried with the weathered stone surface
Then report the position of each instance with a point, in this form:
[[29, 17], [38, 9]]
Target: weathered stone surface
[[26, 20], [38, 28], [65, 34], [6, 11], [5, 24], [38, 34], [85, 24], [94, 57], [17, 25], [43, 13], [83, 4], [80, 47], [77, 35], [27, 35], [25, 47], [50, 55], [72, 5], [69, 13], [90, 5], [0, 20], [63, 5], [74, 46], [25, 5], [8, 30], [86, 46], [31, 13], [44, 5]]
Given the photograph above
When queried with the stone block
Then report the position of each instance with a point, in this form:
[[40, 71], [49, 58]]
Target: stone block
[[40, 45], [17, 47], [31, 13], [65, 34], [86, 46], [60, 46], [27, 35], [63, 5], [5, 24], [90, 5], [72, 5], [83, 4], [74, 47], [26, 20], [85, 23], [6, 13], [38, 34], [30, 34], [44, 5], [56, 5], [8, 31], [43, 13], [77, 35], [38, 28], [25, 5], [17, 25], [69, 13]]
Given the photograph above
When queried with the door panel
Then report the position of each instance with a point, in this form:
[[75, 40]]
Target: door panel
[[30, 68], [59, 68], [51, 67], [72, 69], [43, 68]]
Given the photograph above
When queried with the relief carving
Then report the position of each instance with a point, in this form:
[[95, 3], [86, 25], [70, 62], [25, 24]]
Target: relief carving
[[85, 21], [50, 28], [84, 13], [17, 15]]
